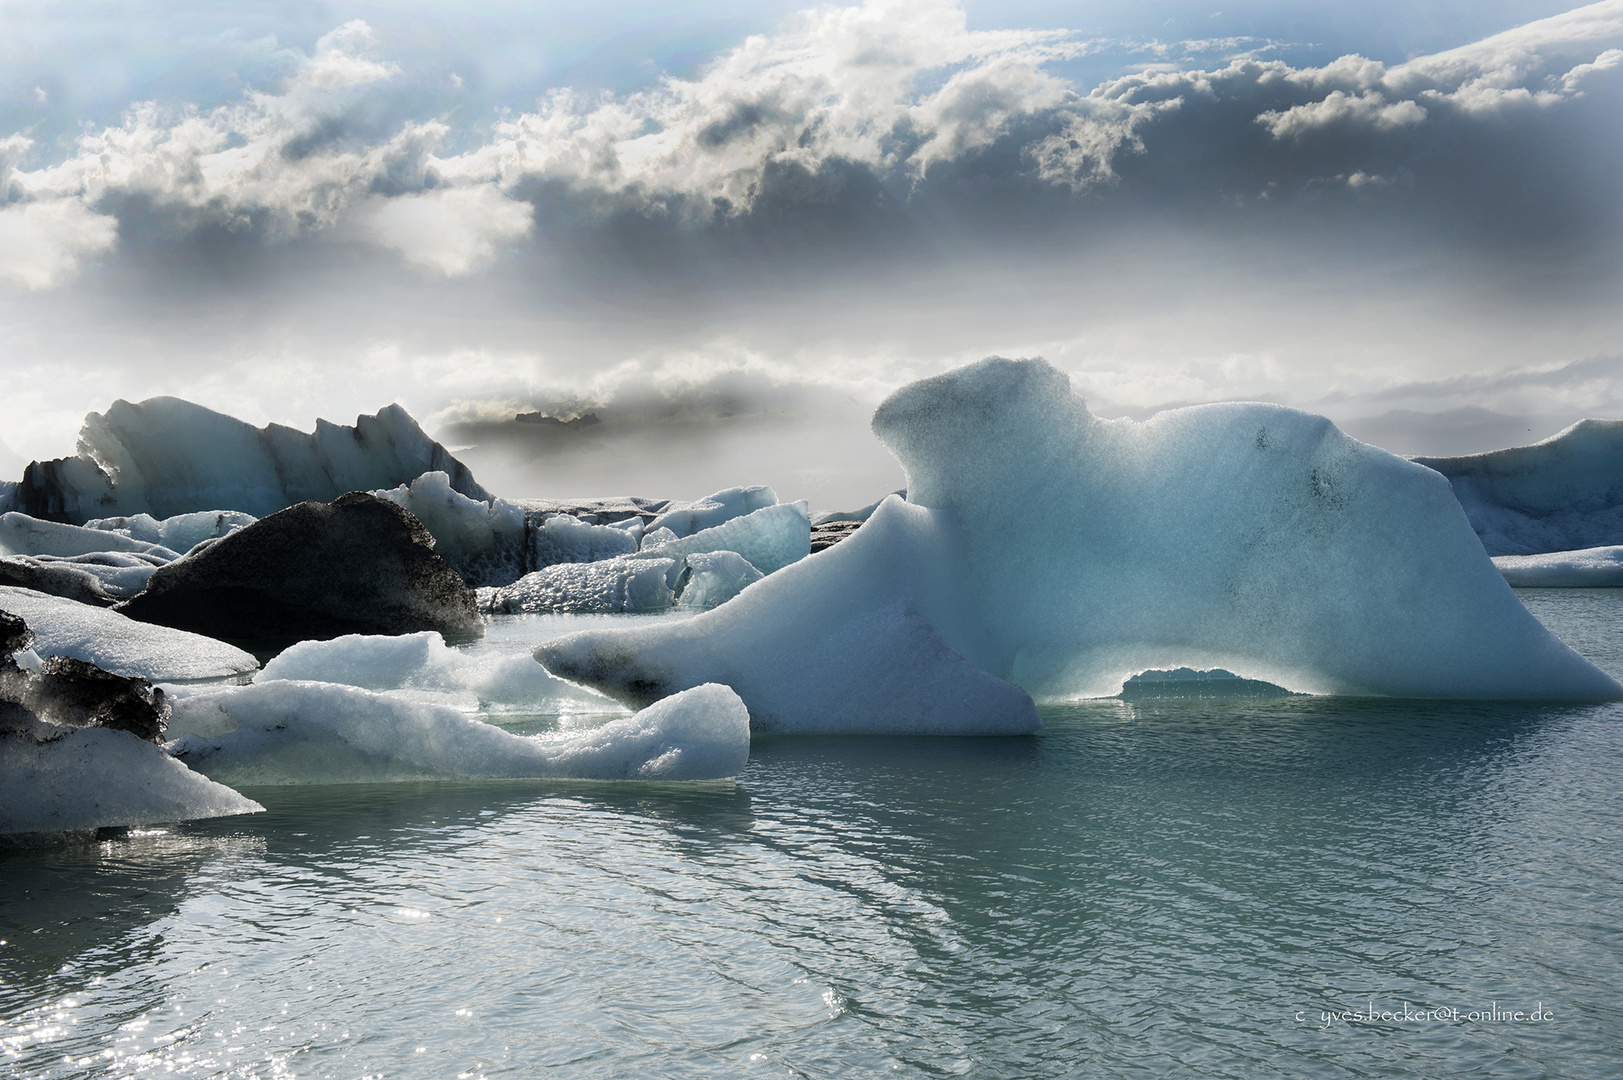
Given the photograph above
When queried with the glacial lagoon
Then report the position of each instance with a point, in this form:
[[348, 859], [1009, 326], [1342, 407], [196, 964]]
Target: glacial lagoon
[[1163, 887]]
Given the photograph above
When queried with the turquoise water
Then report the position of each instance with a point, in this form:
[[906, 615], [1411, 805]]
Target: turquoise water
[[1180, 888]]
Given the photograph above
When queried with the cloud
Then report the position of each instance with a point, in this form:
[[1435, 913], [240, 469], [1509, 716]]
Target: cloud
[[448, 230], [903, 94]]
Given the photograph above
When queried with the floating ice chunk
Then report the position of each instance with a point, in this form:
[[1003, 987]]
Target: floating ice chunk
[[1562, 494], [563, 538], [838, 643], [1596, 567], [179, 533], [1068, 553], [57, 779], [482, 540], [770, 538], [424, 663], [712, 510], [121, 645], [624, 584], [23, 535], [165, 457], [715, 577], [319, 733]]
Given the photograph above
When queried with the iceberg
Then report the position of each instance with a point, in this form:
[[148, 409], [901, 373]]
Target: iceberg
[[712, 510], [62, 779], [769, 538], [180, 533], [1596, 567], [319, 733], [24, 535], [166, 457], [483, 540], [1562, 494], [112, 642], [423, 664], [1064, 553], [564, 538], [715, 577], [624, 584]]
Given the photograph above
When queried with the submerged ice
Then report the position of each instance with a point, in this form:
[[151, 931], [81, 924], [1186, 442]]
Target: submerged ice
[[1063, 553]]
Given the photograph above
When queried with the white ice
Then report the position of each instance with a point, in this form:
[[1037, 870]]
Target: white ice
[[1562, 494], [625, 584], [1066, 553], [179, 533], [24, 535], [563, 538], [121, 645], [1596, 567], [88, 778], [422, 665], [482, 539], [715, 577], [769, 538], [712, 510], [320, 733]]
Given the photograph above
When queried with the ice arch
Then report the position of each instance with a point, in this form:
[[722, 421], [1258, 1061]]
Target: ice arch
[[1063, 553]]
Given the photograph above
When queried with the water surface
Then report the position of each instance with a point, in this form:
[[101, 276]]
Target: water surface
[[1176, 888]]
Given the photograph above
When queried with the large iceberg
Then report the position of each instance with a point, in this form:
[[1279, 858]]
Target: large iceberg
[[1065, 553], [769, 538], [319, 733], [121, 645], [165, 457], [624, 584], [1561, 494]]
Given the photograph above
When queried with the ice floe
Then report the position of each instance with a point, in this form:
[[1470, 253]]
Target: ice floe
[[121, 645], [320, 733], [1596, 567], [61, 779]]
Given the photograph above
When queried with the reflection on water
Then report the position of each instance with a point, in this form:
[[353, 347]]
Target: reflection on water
[[1155, 888]]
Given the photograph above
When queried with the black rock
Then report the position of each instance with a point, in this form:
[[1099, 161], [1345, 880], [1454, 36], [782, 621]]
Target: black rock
[[830, 533], [356, 565]]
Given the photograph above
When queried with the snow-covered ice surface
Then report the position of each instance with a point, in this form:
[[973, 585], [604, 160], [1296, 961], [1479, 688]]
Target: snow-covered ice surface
[[121, 645], [166, 457], [89, 778], [1066, 553], [1596, 567], [1562, 494], [321, 733], [769, 538], [482, 539]]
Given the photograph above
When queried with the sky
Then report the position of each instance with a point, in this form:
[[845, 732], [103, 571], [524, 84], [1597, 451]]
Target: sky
[[727, 230]]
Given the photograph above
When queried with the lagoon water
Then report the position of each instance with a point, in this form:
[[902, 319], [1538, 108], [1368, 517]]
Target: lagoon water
[[1158, 888]]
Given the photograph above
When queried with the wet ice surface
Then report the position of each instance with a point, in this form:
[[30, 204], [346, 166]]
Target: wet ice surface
[[1142, 889]]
